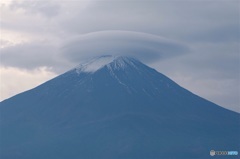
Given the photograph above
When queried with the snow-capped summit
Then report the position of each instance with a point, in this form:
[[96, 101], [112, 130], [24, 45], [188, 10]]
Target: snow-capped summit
[[112, 62], [95, 64]]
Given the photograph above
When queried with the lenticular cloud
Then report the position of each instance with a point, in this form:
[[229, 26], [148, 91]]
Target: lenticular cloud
[[146, 47]]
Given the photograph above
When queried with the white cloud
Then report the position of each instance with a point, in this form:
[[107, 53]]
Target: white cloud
[[46, 8]]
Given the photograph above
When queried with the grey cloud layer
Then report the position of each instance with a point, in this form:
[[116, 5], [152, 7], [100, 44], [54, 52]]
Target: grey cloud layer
[[192, 21], [187, 20], [33, 55], [27, 55]]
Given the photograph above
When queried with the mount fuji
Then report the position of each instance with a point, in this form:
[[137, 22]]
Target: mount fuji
[[114, 108]]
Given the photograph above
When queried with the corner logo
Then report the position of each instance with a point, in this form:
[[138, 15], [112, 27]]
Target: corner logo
[[223, 153], [212, 152]]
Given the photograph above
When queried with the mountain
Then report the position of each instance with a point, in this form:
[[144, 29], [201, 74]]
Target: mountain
[[114, 108]]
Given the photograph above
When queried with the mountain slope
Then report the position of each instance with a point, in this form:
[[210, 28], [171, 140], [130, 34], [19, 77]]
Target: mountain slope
[[114, 107]]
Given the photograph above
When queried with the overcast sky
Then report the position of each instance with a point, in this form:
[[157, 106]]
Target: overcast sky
[[195, 43]]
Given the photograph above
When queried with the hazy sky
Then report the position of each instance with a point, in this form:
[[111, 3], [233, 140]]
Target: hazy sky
[[195, 43]]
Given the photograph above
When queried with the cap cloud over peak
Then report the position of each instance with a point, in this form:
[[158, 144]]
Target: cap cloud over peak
[[143, 46]]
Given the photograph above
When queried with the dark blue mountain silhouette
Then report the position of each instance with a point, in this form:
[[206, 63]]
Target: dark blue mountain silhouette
[[114, 108]]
